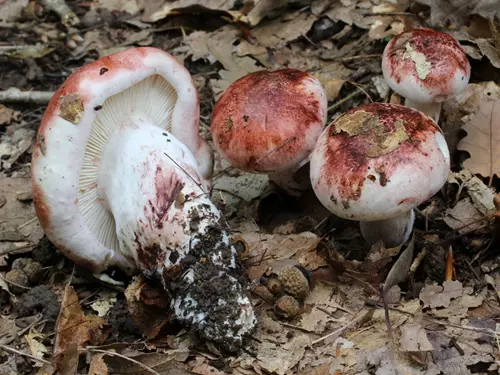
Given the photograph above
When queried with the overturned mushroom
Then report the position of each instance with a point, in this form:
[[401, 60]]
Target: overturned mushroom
[[120, 178], [269, 121], [377, 162]]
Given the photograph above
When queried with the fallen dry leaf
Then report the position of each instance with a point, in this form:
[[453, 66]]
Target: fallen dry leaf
[[414, 338], [18, 216], [464, 216], [163, 363], [74, 328], [8, 114], [97, 365], [148, 316], [37, 349], [157, 10], [457, 12], [482, 127], [434, 296], [280, 359]]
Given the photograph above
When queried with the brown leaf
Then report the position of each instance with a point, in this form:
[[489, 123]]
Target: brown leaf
[[163, 363], [8, 114], [148, 307], [74, 329], [414, 338], [440, 296], [157, 10], [482, 127], [97, 365]]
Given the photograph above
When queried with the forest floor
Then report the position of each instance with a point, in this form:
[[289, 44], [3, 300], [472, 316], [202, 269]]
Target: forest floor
[[442, 312]]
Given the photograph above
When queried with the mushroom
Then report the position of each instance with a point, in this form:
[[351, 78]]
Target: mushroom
[[375, 163], [426, 67], [269, 121], [120, 178]]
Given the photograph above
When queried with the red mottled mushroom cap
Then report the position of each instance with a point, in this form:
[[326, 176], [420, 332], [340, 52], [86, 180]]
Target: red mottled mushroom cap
[[269, 121], [378, 161], [425, 65]]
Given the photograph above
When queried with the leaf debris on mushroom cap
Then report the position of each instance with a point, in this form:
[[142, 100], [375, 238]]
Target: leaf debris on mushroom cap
[[425, 65], [377, 161]]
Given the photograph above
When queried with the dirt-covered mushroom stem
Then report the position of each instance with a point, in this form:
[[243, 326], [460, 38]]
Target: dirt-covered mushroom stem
[[426, 67], [375, 163], [120, 178]]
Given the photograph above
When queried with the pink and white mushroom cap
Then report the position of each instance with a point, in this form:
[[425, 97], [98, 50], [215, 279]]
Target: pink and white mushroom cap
[[138, 85], [425, 65], [378, 161], [269, 121]]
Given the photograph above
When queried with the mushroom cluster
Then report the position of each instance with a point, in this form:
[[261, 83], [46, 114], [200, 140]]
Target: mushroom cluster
[[121, 178]]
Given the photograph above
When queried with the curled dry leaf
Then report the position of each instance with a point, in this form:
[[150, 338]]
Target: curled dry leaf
[[434, 296], [157, 10], [414, 338], [74, 328], [147, 306], [7, 115], [97, 365], [482, 127]]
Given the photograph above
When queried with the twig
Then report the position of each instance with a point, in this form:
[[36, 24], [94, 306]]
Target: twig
[[338, 331], [343, 100], [145, 367], [13, 283], [14, 95], [16, 249], [277, 148], [9, 349]]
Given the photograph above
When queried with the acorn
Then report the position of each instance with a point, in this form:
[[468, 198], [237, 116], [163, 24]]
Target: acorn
[[295, 281], [34, 271], [275, 286], [287, 307], [17, 280]]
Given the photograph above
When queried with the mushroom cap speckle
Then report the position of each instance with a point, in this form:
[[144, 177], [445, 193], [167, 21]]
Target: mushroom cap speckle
[[425, 65], [378, 161], [295, 283], [269, 121]]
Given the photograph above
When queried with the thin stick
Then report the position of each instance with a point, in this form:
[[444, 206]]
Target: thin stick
[[14, 95], [340, 330], [343, 100], [291, 139], [145, 367], [9, 349]]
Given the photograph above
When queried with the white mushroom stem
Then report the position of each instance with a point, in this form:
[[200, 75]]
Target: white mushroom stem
[[165, 221], [433, 110], [393, 232]]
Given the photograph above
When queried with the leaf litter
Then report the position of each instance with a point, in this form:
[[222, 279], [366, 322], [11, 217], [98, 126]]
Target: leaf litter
[[439, 326]]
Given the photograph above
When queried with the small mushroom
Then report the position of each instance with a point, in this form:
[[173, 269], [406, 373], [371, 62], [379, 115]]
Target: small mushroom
[[121, 179], [426, 67], [269, 121], [377, 162]]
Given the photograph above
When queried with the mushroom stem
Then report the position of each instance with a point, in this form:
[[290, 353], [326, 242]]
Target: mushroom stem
[[393, 232], [433, 110], [150, 183]]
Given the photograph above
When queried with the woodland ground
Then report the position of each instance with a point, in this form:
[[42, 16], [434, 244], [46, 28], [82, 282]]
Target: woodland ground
[[442, 311]]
